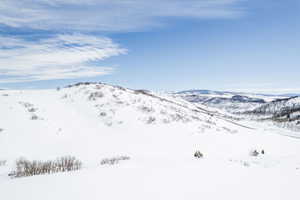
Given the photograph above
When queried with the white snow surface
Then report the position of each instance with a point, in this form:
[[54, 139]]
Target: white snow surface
[[159, 134]]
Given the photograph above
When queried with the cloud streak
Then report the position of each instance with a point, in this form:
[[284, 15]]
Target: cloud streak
[[109, 15], [69, 56], [60, 57]]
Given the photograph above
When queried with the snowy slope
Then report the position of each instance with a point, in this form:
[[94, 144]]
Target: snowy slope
[[160, 135], [64, 119]]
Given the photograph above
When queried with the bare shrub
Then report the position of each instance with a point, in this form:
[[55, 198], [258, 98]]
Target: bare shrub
[[98, 87], [26, 104], [32, 109], [141, 92], [254, 153], [114, 160], [146, 109], [198, 154], [82, 83], [25, 167], [150, 120], [2, 162], [166, 121], [176, 117], [246, 164], [93, 96], [34, 117], [120, 102], [64, 96], [103, 114], [120, 88]]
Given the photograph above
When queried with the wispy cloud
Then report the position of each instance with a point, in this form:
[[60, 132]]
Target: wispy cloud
[[59, 57], [67, 56], [109, 15]]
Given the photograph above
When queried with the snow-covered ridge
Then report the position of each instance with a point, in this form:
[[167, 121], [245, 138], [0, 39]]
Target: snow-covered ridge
[[284, 112], [278, 106], [229, 102], [118, 105]]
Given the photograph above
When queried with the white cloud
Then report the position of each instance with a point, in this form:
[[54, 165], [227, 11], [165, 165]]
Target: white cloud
[[59, 57], [71, 56], [109, 15]]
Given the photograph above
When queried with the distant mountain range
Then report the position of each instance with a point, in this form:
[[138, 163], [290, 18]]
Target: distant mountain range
[[229, 101], [282, 109], [214, 92]]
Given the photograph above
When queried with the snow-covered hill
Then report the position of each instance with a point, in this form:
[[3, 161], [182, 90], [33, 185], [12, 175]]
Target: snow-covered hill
[[279, 106], [46, 118], [278, 110], [157, 134], [285, 112], [230, 102]]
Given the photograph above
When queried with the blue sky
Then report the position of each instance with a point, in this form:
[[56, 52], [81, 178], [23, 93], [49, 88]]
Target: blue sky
[[238, 45]]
